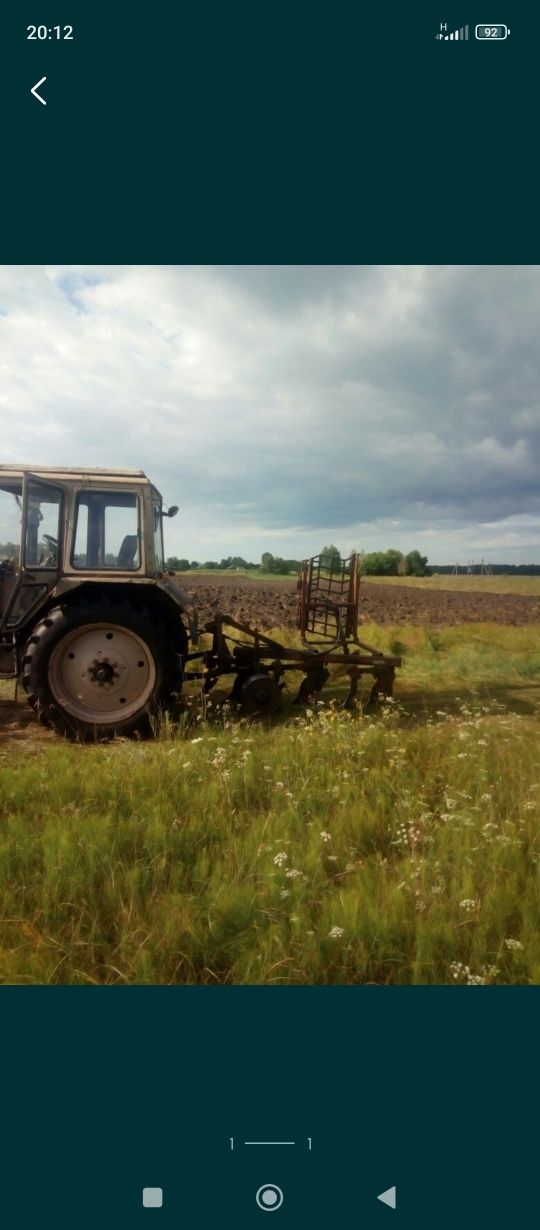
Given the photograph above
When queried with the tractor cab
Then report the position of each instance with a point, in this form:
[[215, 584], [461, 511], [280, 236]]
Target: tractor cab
[[56, 525]]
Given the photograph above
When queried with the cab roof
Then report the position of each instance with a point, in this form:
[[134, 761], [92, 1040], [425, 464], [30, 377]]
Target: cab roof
[[12, 475]]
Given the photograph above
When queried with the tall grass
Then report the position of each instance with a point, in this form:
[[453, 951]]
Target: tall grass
[[327, 847]]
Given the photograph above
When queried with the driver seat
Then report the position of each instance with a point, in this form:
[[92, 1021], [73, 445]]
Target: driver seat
[[127, 555]]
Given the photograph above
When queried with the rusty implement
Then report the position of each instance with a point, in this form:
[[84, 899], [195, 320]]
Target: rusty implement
[[328, 597]]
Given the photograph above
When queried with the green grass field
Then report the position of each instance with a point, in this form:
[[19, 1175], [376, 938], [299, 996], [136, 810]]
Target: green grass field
[[328, 847], [528, 585], [467, 584]]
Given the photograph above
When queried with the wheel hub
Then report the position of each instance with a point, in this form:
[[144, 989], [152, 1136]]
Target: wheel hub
[[102, 673], [259, 694]]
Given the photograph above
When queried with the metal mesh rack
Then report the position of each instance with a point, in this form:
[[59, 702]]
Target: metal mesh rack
[[328, 594]]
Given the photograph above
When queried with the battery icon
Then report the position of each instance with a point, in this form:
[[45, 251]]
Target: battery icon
[[492, 32]]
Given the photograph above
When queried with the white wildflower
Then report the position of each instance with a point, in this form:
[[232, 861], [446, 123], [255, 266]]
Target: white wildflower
[[336, 933], [463, 973], [458, 970], [281, 858]]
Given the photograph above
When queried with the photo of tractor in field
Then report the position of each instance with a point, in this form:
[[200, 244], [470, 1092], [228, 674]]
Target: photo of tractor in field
[[102, 637], [226, 759]]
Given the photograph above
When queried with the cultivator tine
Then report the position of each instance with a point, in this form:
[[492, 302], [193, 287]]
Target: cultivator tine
[[311, 685], [384, 685], [374, 695], [233, 696], [350, 698]]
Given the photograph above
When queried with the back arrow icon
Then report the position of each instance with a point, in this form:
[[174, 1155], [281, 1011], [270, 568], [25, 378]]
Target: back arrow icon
[[35, 88]]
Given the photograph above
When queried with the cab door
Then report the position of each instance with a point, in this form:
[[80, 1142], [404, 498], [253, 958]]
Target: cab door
[[41, 548]]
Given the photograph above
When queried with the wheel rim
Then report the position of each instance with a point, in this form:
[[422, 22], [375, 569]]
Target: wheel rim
[[102, 673], [259, 694]]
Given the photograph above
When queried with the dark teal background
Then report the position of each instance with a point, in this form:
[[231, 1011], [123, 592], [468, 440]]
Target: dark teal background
[[269, 131], [109, 1090], [290, 132]]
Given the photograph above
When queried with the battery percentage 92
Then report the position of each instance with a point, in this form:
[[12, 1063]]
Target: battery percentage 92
[[492, 32]]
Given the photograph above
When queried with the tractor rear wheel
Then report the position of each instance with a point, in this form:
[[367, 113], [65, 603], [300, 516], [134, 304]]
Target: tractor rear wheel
[[103, 668]]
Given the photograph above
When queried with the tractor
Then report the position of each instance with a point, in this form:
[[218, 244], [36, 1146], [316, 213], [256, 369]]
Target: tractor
[[102, 636]]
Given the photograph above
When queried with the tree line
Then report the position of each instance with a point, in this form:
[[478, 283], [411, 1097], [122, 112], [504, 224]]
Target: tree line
[[186, 565], [389, 563]]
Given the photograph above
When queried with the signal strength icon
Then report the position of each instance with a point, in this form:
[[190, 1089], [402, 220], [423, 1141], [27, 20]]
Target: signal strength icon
[[457, 35]]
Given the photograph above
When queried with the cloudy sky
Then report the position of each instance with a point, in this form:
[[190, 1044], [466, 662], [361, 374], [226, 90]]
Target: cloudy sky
[[284, 407]]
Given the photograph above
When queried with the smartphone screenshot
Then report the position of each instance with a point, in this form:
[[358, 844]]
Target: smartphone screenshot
[[269, 616]]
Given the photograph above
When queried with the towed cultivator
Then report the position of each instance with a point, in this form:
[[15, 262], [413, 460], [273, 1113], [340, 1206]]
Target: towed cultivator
[[98, 632], [328, 621]]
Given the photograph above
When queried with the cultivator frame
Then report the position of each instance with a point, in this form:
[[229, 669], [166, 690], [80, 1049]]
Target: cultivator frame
[[328, 598]]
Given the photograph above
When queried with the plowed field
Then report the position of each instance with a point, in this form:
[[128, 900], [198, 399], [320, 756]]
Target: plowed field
[[269, 605]]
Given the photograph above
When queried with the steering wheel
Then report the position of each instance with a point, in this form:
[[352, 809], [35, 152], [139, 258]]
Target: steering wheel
[[52, 556]]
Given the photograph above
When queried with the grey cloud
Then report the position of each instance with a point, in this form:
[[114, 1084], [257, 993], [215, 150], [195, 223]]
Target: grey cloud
[[287, 401]]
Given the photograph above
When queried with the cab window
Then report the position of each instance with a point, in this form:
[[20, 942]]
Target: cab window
[[42, 525], [10, 525], [107, 531]]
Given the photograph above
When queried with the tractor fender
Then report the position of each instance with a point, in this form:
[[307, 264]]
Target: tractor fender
[[183, 600]]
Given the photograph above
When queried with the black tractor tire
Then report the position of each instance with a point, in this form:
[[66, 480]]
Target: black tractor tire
[[106, 635]]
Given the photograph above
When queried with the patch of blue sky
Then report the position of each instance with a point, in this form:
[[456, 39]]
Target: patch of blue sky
[[71, 285]]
